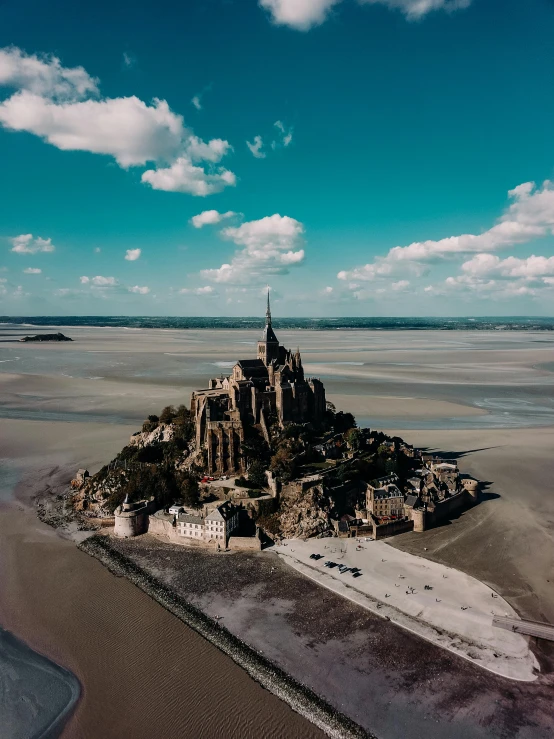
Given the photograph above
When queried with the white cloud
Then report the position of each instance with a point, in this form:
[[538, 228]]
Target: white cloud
[[256, 147], [304, 14], [530, 215], [210, 218], [183, 176], [197, 99], [32, 271], [488, 276], [400, 286], [270, 246], [414, 9], [126, 128], [139, 290], [212, 151], [531, 268], [286, 134], [97, 250], [44, 75], [104, 281], [298, 14], [26, 244], [131, 255], [62, 107], [129, 60], [99, 281], [206, 290], [487, 288]]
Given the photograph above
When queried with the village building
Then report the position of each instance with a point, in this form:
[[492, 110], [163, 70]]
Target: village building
[[386, 501], [217, 525], [271, 387], [214, 525]]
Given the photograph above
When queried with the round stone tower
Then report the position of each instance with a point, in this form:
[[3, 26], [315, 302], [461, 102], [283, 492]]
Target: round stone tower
[[472, 487], [131, 519]]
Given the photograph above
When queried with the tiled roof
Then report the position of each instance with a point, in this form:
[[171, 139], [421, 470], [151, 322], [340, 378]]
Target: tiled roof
[[188, 518], [224, 512], [251, 363], [389, 492]]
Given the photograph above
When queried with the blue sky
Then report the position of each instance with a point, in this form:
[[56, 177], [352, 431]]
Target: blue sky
[[362, 157]]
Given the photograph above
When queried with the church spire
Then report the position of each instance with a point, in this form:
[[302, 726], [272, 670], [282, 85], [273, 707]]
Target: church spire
[[268, 311], [268, 346]]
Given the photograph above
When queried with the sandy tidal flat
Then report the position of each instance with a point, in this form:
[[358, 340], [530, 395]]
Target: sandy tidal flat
[[507, 541], [487, 398]]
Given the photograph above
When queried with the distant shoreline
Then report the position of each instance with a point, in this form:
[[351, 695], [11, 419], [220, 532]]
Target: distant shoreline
[[299, 697], [464, 323]]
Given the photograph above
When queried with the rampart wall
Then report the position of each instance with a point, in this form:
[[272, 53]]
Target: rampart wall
[[390, 529]]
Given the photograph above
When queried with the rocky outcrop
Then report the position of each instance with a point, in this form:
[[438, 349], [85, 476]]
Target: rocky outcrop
[[307, 515], [46, 337], [92, 494], [163, 432]]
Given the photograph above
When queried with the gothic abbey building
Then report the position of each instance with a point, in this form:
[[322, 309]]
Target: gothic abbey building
[[258, 390]]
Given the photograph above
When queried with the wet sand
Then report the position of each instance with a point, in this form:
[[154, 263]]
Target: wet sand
[[36, 695], [143, 673], [73, 405], [507, 541], [393, 683]]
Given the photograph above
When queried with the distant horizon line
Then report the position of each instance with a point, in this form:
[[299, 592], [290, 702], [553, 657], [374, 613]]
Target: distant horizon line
[[467, 317]]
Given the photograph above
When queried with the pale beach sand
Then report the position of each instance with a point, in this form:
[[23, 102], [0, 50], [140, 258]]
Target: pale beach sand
[[455, 614]]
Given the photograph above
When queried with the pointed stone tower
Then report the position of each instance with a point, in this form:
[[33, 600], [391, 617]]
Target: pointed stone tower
[[268, 345]]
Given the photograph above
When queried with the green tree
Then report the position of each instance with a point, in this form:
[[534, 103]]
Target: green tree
[[255, 448], [256, 474], [343, 422], [356, 439], [189, 489], [283, 465], [391, 465], [168, 414]]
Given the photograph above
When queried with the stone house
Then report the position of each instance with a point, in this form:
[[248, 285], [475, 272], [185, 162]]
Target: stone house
[[385, 501], [216, 526]]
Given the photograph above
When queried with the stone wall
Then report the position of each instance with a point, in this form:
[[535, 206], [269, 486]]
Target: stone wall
[[448, 507], [245, 543], [391, 528], [162, 527]]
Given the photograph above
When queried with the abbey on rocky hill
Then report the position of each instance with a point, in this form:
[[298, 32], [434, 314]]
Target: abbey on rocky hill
[[258, 391]]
